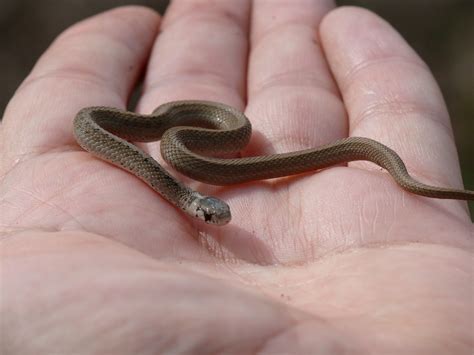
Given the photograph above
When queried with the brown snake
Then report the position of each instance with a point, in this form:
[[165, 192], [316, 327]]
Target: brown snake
[[190, 130]]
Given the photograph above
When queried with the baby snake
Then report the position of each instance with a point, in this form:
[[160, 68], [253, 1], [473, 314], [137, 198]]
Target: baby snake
[[190, 130]]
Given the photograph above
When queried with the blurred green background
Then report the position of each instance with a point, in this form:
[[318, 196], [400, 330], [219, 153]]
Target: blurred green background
[[441, 31]]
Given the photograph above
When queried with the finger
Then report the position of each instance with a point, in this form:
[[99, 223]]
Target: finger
[[95, 62], [293, 100], [200, 54], [390, 94]]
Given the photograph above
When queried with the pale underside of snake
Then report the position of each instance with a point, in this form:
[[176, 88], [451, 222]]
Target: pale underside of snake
[[192, 131]]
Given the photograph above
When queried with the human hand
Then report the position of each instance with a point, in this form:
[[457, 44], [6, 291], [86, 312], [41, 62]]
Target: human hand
[[343, 259]]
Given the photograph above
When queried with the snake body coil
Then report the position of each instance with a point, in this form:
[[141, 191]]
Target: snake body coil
[[192, 130]]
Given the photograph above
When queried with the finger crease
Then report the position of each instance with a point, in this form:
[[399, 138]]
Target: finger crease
[[222, 18], [350, 76], [283, 27], [207, 78], [296, 78], [387, 111], [73, 75]]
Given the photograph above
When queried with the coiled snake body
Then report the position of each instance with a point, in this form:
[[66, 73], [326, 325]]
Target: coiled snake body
[[190, 130]]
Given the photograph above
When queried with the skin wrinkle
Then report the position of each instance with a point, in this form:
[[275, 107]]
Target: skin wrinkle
[[96, 38], [391, 221], [395, 107], [5, 172], [295, 207], [292, 79], [375, 220], [290, 28], [205, 78], [287, 214], [297, 212], [349, 78], [41, 202], [33, 208], [194, 80], [216, 40], [210, 19], [348, 247], [73, 75]]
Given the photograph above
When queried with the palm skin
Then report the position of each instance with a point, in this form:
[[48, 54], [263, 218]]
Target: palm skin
[[340, 260]]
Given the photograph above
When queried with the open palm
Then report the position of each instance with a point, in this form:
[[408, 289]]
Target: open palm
[[343, 259]]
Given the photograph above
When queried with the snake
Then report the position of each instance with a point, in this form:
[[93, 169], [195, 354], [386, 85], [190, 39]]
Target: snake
[[194, 137]]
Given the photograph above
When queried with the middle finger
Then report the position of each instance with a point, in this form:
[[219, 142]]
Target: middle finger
[[292, 95], [200, 54]]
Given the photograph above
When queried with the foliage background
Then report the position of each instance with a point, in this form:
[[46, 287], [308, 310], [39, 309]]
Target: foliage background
[[441, 31]]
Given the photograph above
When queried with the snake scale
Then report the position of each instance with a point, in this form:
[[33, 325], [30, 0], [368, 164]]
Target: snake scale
[[192, 131]]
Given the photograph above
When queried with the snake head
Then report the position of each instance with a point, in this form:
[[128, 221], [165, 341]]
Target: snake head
[[210, 209]]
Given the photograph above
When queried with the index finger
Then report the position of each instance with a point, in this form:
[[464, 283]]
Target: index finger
[[95, 62]]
